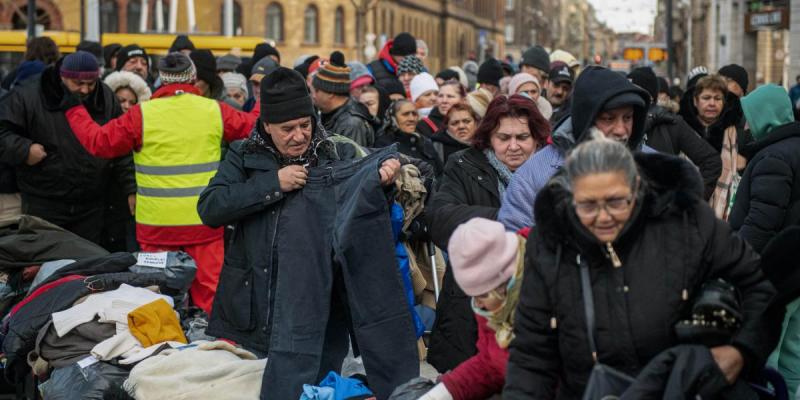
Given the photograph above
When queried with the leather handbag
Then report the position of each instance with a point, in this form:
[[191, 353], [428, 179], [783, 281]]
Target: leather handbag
[[605, 383]]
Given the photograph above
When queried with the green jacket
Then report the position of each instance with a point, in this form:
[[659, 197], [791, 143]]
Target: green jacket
[[786, 357]]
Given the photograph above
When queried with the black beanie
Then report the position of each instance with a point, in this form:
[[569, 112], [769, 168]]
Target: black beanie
[[181, 42], [663, 85], [403, 45], [128, 52], [303, 68], [263, 50], [490, 72], [645, 78], [206, 65], [536, 57], [447, 75], [110, 51], [393, 86], [284, 97], [737, 73], [93, 48]]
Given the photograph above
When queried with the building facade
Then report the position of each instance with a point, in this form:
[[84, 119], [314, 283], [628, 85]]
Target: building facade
[[453, 30]]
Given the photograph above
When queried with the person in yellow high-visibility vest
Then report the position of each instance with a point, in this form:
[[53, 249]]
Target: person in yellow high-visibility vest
[[176, 140]]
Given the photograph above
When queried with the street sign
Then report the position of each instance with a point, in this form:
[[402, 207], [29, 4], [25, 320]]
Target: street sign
[[633, 53], [767, 20]]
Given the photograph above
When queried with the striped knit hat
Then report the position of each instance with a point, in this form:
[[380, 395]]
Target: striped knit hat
[[176, 68], [334, 76], [410, 64]]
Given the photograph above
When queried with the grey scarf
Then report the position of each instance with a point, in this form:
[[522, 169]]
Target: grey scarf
[[503, 173]]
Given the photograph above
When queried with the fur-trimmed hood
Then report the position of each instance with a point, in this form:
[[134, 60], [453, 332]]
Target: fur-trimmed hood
[[125, 79], [669, 184]]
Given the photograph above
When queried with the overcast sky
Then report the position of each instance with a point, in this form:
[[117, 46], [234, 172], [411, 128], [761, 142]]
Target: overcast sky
[[626, 15]]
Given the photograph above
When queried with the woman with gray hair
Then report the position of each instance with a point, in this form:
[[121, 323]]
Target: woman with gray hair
[[632, 234]]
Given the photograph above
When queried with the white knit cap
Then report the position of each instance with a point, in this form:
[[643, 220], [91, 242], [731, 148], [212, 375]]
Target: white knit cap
[[233, 80], [422, 84]]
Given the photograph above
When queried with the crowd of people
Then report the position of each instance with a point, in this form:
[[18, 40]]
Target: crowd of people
[[566, 218]]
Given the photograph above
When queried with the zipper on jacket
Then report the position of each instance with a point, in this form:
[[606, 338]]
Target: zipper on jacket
[[613, 255], [273, 275]]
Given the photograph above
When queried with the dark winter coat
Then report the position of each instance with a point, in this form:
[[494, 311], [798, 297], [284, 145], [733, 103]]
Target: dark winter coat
[[415, 146], [352, 120], [768, 198], [384, 68], [669, 134], [246, 193], [446, 145], [34, 113], [638, 304], [562, 112], [468, 189], [731, 116], [435, 117]]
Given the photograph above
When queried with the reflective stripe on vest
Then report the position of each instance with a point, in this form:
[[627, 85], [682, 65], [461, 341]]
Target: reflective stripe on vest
[[181, 150]]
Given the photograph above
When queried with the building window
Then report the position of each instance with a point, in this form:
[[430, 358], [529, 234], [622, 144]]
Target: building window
[[338, 26], [509, 33], [311, 33], [509, 5], [153, 19], [20, 19], [275, 22], [237, 19], [108, 16], [134, 15]]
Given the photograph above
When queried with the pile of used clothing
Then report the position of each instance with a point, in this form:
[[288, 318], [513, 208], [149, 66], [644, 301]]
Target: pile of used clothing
[[85, 322]]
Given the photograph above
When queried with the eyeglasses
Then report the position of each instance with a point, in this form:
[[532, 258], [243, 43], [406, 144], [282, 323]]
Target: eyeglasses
[[615, 207]]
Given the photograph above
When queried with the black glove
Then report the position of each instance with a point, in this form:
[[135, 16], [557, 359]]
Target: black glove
[[418, 231]]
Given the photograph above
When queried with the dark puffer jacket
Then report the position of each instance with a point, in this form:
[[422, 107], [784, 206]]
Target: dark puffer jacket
[[352, 120], [33, 113], [669, 134], [468, 190], [638, 304], [768, 198]]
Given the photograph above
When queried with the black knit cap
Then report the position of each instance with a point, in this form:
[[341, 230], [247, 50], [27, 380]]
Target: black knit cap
[[393, 86], [737, 73], [536, 57], [490, 72], [663, 85], [403, 45], [181, 42], [645, 78], [284, 97], [110, 51], [303, 68], [334, 76], [447, 75], [265, 49], [128, 52], [206, 66], [94, 48]]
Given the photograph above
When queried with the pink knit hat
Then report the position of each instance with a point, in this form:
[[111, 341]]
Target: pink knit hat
[[521, 79], [483, 255]]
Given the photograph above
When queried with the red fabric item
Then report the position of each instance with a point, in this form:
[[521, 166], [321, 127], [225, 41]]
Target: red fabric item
[[385, 56], [482, 375], [177, 235], [29, 273], [43, 289], [524, 232], [208, 257], [431, 124], [176, 88]]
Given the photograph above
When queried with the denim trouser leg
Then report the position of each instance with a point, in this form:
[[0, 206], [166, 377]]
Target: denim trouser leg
[[338, 227]]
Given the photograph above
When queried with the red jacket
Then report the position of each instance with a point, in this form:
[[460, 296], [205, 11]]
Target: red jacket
[[122, 135], [484, 374]]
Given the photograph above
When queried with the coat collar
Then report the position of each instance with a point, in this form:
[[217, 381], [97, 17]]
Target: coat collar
[[175, 89]]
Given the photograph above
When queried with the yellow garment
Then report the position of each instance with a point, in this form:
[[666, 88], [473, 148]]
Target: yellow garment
[[155, 323], [180, 153]]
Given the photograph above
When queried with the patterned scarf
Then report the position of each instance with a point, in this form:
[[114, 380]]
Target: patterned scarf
[[260, 139], [503, 173]]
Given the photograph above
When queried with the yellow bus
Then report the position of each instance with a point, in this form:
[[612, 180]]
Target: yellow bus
[[12, 44]]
